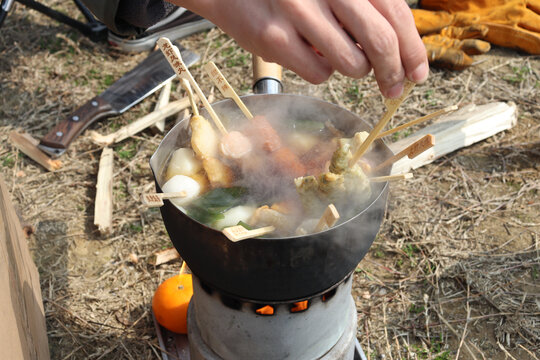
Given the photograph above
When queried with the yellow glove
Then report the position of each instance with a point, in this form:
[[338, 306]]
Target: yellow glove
[[514, 23], [453, 45]]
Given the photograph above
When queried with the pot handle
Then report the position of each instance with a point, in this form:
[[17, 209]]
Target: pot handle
[[266, 77]]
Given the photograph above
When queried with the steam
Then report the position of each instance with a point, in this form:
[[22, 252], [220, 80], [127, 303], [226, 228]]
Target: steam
[[285, 112]]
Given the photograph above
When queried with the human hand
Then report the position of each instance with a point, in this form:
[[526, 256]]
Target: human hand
[[351, 36]]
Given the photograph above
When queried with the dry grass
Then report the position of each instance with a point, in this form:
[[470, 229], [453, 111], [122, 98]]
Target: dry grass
[[454, 270]]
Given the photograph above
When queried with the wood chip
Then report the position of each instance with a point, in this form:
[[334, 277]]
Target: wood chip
[[28, 145]]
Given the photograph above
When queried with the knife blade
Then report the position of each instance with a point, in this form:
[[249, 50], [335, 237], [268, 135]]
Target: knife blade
[[137, 84]]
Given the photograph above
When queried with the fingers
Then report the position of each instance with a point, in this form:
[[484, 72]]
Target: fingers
[[314, 20], [411, 49], [378, 40], [281, 44]]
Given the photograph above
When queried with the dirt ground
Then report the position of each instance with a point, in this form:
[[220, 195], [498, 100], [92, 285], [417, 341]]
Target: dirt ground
[[452, 274]]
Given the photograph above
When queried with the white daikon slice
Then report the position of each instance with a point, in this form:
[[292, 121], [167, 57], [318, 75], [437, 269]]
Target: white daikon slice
[[302, 142], [183, 162], [307, 227], [235, 215], [179, 183]]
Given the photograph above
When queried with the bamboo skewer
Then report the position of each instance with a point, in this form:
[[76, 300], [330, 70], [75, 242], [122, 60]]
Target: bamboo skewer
[[419, 120], [191, 97], [391, 177], [172, 54], [184, 269], [412, 151], [225, 88], [238, 232], [156, 199], [391, 106], [328, 218]]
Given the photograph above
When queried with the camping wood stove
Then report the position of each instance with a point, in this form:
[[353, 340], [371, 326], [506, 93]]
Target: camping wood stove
[[222, 327], [232, 280]]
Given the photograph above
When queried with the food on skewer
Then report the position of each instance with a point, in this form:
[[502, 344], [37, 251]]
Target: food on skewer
[[235, 215], [287, 163], [260, 142], [306, 227], [265, 216], [298, 166], [235, 145], [303, 143], [239, 174], [202, 180], [341, 157], [247, 168], [219, 175], [204, 139], [205, 142], [182, 183], [340, 184], [183, 162]]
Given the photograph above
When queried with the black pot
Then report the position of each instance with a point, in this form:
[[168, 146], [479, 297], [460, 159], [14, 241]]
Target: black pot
[[274, 269]]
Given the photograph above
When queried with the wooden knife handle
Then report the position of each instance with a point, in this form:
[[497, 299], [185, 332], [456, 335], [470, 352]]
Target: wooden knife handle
[[65, 132], [263, 69], [266, 77]]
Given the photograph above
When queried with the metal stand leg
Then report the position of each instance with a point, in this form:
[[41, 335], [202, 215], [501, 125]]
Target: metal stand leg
[[93, 29], [358, 352], [4, 9]]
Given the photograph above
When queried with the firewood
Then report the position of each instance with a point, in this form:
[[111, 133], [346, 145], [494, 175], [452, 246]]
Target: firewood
[[164, 256], [28, 145], [103, 207], [462, 128]]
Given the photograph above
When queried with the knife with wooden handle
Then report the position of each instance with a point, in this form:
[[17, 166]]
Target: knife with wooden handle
[[140, 82]]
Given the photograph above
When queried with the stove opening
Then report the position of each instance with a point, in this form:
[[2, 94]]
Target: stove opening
[[328, 295], [266, 310], [206, 288], [231, 302], [299, 306]]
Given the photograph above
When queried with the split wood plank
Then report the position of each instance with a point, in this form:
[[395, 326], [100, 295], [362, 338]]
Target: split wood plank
[[28, 145], [103, 207], [23, 334], [462, 128], [141, 123], [163, 100]]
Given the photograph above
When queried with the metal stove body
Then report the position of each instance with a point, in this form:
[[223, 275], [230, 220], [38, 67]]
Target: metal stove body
[[222, 327]]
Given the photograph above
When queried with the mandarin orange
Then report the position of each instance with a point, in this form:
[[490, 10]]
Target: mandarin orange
[[170, 302]]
